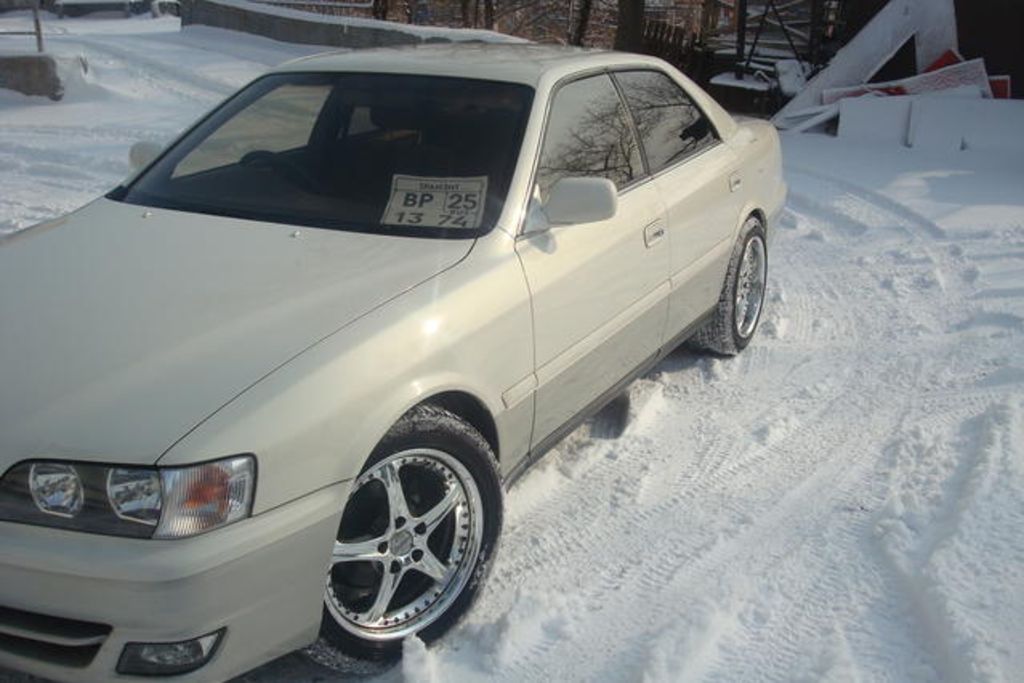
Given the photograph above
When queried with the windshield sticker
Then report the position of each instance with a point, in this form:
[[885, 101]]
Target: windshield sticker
[[436, 202]]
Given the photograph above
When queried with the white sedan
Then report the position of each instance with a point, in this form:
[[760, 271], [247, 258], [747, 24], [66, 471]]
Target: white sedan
[[272, 387]]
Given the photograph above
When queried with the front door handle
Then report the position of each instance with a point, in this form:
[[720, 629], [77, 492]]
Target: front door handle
[[653, 233]]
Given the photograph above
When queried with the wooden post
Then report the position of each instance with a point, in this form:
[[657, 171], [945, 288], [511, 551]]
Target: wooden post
[[489, 15], [629, 29], [817, 15], [741, 37], [39, 28]]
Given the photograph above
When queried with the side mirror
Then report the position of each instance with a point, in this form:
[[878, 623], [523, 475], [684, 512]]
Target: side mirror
[[581, 200], [143, 153]]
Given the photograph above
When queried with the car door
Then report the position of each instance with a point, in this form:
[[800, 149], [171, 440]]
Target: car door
[[696, 176], [599, 290]]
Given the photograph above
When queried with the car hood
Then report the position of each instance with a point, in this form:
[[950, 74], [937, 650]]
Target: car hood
[[121, 327]]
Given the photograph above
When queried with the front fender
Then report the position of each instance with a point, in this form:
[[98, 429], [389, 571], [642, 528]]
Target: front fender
[[315, 420]]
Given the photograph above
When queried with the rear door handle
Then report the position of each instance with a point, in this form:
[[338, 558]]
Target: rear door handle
[[653, 233]]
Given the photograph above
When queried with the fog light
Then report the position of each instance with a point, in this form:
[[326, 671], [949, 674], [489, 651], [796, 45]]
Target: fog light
[[167, 659]]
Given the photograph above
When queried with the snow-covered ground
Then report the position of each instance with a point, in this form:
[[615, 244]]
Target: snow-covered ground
[[144, 79], [844, 501]]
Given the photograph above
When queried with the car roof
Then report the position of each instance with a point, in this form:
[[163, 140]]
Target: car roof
[[526, 63]]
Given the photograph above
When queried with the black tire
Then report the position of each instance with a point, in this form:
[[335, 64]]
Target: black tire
[[721, 334], [432, 427]]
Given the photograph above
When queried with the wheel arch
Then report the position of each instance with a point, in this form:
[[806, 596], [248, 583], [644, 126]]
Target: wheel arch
[[750, 210], [458, 398], [760, 215], [467, 406]]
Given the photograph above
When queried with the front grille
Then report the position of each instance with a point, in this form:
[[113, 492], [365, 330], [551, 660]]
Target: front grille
[[56, 640]]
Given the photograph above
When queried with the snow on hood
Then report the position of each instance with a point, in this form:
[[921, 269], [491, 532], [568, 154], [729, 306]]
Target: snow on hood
[[119, 332]]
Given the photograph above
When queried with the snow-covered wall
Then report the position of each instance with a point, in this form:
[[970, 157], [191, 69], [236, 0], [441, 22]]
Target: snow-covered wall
[[31, 74], [294, 26]]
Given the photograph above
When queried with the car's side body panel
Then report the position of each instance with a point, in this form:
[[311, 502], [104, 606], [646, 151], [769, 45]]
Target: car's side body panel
[[756, 143], [599, 303], [701, 213]]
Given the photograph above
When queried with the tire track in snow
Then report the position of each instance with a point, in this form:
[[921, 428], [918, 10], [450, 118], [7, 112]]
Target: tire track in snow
[[877, 200], [729, 473], [937, 477]]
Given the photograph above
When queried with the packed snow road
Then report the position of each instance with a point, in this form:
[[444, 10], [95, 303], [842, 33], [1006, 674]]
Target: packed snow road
[[841, 502]]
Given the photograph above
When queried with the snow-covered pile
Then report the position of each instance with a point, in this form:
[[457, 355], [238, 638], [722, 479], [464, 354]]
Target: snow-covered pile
[[842, 502]]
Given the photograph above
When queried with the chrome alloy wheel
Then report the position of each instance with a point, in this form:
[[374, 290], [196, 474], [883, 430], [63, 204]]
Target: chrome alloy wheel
[[750, 286], [407, 546]]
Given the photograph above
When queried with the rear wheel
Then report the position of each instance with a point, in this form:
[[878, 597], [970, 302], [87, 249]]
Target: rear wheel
[[416, 536], [742, 299]]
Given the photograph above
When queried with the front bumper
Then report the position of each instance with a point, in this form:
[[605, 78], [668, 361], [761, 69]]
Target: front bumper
[[262, 579]]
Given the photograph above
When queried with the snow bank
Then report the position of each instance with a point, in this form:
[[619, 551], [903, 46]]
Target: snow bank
[[883, 120], [955, 124], [949, 121], [421, 32]]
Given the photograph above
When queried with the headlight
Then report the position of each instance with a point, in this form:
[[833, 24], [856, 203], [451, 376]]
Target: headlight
[[134, 494], [56, 488], [141, 502]]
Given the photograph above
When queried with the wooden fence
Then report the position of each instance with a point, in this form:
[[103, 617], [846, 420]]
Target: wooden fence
[[675, 44]]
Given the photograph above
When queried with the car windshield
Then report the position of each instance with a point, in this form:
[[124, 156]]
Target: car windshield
[[369, 152]]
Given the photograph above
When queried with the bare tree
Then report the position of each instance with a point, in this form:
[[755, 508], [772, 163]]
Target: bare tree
[[579, 29], [489, 14], [629, 32], [380, 9]]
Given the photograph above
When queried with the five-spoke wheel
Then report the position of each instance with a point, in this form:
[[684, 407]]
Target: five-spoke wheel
[[419, 521], [408, 542]]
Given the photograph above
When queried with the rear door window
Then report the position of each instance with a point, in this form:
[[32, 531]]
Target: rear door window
[[670, 124]]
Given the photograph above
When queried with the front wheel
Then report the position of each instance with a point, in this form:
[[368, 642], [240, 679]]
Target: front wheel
[[416, 536], [738, 312]]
